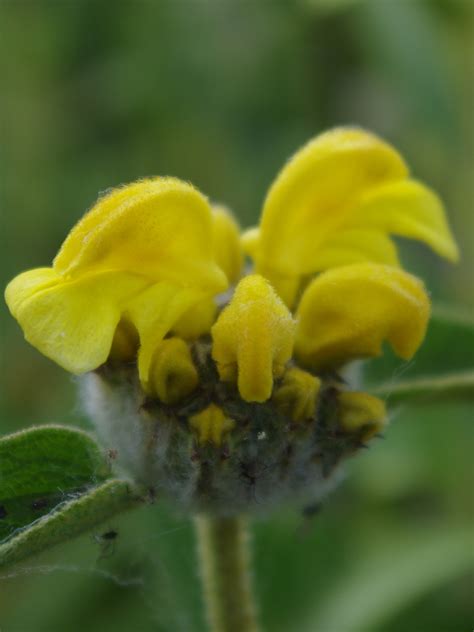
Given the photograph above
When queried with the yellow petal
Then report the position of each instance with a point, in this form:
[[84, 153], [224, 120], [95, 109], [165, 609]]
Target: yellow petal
[[197, 321], [249, 240], [72, 323], [211, 425], [350, 245], [125, 343], [154, 312], [173, 375], [356, 245], [361, 413], [313, 193], [227, 248], [26, 284], [253, 338], [160, 228], [409, 209], [286, 286], [348, 312], [297, 394], [95, 218]]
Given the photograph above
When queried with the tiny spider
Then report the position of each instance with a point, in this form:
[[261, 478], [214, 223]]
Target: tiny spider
[[39, 504]]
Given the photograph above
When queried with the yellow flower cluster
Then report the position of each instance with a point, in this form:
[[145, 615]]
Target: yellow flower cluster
[[142, 256], [140, 272]]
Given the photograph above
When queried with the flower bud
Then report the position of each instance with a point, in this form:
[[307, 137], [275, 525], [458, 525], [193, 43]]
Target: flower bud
[[297, 395], [211, 425], [173, 375], [361, 412]]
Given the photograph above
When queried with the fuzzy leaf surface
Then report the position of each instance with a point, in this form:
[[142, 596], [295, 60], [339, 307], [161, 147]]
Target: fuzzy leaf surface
[[43, 467], [69, 520]]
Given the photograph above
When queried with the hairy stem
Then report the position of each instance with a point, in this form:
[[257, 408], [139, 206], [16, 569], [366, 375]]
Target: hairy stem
[[223, 546]]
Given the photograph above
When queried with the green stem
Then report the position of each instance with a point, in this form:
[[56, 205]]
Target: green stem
[[224, 561]]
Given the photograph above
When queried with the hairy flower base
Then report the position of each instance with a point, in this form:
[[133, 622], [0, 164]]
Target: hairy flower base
[[216, 453]]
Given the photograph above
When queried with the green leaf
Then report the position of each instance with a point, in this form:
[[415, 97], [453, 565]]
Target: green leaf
[[41, 468], [69, 520], [389, 579], [442, 368]]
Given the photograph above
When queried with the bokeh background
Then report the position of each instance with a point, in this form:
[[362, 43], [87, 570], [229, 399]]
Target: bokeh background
[[221, 92]]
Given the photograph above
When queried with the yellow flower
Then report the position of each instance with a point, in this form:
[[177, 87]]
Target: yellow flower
[[220, 390], [143, 254], [336, 203]]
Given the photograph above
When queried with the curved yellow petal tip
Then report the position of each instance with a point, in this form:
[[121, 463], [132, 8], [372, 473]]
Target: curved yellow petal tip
[[173, 375], [227, 246], [361, 413], [25, 285], [297, 394], [211, 425], [409, 209], [311, 197], [72, 322], [159, 228], [253, 338], [348, 312], [336, 202]]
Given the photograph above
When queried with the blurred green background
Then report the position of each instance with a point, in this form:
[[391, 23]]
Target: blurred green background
[[221, 92]]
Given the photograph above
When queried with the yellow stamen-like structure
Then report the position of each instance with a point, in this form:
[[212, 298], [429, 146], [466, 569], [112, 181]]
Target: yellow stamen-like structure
[[253, 339]]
